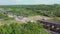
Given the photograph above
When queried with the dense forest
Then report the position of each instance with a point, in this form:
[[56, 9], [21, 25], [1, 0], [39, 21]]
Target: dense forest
[[46, 10]]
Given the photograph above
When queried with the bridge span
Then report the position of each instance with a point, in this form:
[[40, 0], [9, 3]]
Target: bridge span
[[51, 25]]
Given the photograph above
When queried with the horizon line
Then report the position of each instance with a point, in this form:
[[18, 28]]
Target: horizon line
[[33, 4]]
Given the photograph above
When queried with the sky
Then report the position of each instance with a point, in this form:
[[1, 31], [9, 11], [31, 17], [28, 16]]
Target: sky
[[28, 2]]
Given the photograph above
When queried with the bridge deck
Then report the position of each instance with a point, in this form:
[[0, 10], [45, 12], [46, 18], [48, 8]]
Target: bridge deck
[[57, 24], [50, 21]]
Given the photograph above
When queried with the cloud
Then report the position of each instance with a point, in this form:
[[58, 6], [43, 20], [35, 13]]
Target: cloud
[[7, 2], [34, 1], [11, 2]]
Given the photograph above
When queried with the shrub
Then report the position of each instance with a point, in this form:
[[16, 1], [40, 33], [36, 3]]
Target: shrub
[[28, 28]]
